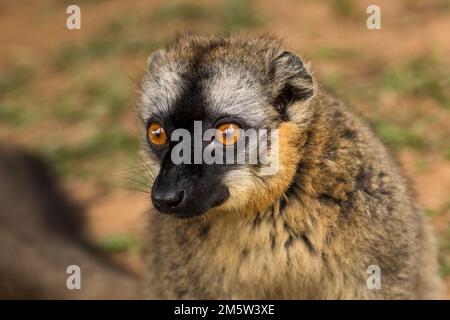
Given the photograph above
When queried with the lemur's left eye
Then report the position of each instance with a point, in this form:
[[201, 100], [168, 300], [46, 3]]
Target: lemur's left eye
[[156, 134], [228, 133]]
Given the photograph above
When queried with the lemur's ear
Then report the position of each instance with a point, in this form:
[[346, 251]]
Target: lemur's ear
[[291, 80], [155, 60]]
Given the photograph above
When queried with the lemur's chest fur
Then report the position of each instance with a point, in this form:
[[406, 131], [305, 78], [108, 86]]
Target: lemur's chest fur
[[280, 253]]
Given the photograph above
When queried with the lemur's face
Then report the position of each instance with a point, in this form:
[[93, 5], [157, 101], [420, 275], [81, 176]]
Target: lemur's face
[[199, 101]]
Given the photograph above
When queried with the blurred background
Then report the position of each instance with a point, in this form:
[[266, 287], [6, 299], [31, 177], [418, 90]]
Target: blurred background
[[68, 95]]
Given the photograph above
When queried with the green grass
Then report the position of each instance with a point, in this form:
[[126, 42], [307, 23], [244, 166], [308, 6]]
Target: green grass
[[345, 8], [101, 46], [443, 241], [125, 36], [181, 11], [444, 253], [423, 76], [227, 15], [15, 80], [120, 243], [68, 159], [64, 108], [117, 38], [431, 212], [110, 94], [333, 53], [14, 116], [239, 15], [91, 97], [335, 81], [447, 153], [396, 136]]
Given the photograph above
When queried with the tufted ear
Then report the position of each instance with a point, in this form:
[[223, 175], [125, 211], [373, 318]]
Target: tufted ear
[[291, 81]]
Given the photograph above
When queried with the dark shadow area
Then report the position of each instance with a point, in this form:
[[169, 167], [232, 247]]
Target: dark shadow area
[[41, 234]]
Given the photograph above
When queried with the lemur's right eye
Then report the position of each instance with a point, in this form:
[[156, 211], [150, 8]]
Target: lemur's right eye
[[156, 134]]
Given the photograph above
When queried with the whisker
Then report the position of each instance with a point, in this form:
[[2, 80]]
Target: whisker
[[141, 91], [142, 183], [133, 189], [147, 167]]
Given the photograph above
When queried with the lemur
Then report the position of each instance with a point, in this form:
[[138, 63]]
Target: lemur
[[337, 204]]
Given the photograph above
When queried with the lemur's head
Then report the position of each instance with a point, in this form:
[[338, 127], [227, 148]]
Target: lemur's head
[[199, 99]]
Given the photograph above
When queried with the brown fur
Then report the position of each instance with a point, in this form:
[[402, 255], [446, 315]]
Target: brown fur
[[338, 205]]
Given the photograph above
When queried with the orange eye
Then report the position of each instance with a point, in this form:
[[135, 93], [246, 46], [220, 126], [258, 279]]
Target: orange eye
[[228, 133], [156, 134]]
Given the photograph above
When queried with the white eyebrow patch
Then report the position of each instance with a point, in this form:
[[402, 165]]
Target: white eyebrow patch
[[160, 91], [227, 91], [236, 92]]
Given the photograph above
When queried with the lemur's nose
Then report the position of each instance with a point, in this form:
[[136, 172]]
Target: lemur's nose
[[167, 200]]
